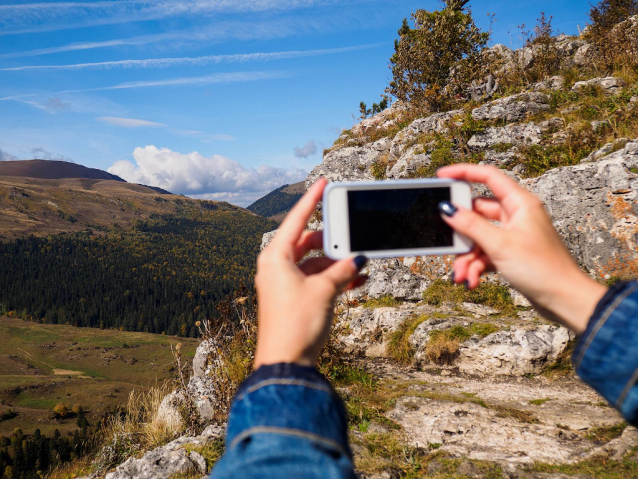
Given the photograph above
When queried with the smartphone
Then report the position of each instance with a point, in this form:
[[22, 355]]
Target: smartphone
[[384, 219]]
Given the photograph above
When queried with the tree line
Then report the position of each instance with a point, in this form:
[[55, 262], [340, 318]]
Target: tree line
[[161, 276]]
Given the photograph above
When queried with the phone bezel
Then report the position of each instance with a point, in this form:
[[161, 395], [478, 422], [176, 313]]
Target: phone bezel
[[337, 229]]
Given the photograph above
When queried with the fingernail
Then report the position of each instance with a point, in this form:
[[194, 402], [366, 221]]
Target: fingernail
[[452, 277], [466, 285], [447, 208], [360, 262]]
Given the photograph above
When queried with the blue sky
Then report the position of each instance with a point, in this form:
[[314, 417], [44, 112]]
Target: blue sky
[[220, 99]]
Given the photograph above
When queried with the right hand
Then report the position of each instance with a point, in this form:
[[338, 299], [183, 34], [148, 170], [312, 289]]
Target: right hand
[[525, 248]]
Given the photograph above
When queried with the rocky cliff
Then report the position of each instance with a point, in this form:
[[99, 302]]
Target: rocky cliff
[[459, 384]]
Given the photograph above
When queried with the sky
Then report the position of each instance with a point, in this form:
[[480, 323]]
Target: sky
[[215, 99]]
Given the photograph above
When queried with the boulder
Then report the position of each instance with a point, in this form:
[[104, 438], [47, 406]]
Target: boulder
[[513, 108], [169, 460], [516, 352], [610, 85]]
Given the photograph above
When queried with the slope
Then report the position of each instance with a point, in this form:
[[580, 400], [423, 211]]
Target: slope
[[276, 204], [53, 170]]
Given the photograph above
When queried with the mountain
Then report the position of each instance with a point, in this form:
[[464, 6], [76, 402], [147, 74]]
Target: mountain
[[276, 204], [52, 170]]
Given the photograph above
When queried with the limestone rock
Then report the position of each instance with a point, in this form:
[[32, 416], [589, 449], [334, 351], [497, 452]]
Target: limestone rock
[[554, 83], [350, 163], [524, 134], [595, 209], [610, 85], [384, 119], [168, 460], [516, 352], [513, 108]]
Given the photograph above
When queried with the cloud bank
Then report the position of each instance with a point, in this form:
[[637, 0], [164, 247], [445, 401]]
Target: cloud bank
[[215, 177], [307, 150], [4, 156]]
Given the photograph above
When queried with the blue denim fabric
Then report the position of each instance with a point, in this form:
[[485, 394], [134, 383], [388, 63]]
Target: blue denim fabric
[[286, 421], [606, 356]]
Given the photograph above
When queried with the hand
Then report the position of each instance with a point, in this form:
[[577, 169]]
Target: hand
[[525, 249], [296, 303]]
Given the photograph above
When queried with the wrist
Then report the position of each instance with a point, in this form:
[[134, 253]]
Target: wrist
[[573, 300]]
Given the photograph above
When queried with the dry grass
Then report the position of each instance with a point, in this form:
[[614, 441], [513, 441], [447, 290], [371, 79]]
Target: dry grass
[[441, 349], [399, 346], [494, 295]]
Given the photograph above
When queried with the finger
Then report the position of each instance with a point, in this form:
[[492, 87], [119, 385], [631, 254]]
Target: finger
[[489, 208], [340, 274], [503, 187], [462, 262], [295, 223], [309, 241], [474, 271], [315, 265], [486, 235], [357, 283]]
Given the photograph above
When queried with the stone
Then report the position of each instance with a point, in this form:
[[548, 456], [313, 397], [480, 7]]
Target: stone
[[479, 310], [610, 85], [618, 448], [513, 108], [166, 461], [523, 134], [350, 163], [472, 431], [554, 83], [609, 148], [384, 119], [594, 207], [516, 352]]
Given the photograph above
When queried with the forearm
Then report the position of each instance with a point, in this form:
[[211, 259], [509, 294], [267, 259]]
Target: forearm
[[606, 356], [286, 421]]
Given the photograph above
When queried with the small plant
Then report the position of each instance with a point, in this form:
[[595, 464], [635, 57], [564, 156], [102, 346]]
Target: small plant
[[539, 402], [399, 346], [493, 295], [378, 170], [386, 301], [376, 107], [602, 435]]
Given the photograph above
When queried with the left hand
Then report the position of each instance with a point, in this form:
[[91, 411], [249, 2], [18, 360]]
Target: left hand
[[296, 302]]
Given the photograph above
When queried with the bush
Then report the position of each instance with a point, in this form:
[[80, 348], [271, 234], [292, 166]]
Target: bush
[[61, 411], [614, 38], [438, 58]]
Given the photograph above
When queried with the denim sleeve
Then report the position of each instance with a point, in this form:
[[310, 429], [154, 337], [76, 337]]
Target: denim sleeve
[[286, 421], [606, 356]]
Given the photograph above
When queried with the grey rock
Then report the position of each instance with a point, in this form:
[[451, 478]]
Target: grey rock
[[168, 460], [593, 208], [610, 85], [513, 108], [479, 310], [554, 83], [609, 148], [524, 134], [516, 352]]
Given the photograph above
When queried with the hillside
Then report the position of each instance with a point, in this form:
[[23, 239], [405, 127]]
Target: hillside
[[276, 204], [44, 365], [52, 170]]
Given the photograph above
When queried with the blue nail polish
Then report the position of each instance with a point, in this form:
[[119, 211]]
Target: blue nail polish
[[360, 262], [452, 277], [447, 208], [466, 285]]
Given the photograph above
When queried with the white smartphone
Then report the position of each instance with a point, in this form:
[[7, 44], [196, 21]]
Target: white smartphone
[[384, 219]]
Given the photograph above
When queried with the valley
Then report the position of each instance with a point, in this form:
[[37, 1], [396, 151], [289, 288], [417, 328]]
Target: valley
[[44, 365]]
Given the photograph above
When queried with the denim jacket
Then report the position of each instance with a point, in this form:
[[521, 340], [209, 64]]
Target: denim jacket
[[286, 421]]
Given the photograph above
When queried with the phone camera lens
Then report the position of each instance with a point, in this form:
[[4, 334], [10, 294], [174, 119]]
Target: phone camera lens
[[336, 246]]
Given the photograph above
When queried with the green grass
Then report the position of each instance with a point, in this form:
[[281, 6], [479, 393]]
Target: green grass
[[539, 402], [600, 468], [104, 367], [399, 346], [603, 435], [493, 295], [386, 301]]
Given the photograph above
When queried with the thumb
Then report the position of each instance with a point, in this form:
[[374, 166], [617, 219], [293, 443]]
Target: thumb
[[343, 272], [471, 224]]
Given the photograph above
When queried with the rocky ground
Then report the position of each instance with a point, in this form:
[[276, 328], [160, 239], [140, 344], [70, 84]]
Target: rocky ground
[[442, 383]]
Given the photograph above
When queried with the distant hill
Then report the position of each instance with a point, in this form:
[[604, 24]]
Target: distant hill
[[276, 204], [53, 170]]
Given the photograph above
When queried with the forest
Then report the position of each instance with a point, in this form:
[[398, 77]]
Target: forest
[[161, 276]]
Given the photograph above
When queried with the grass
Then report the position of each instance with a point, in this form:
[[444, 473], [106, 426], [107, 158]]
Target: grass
[[563, 365], [539, 402], [444, 344], [30, 354], [602, 435], [600, 468], [212, 452], [386, 301], [399, 346], [493, 295]]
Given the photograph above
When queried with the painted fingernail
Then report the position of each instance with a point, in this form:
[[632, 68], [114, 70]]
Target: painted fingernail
[[466, 285], [447, 208], [360, 262], [452, 277]]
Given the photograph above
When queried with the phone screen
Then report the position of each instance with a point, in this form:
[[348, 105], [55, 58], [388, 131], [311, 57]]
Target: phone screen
[[394, 219]]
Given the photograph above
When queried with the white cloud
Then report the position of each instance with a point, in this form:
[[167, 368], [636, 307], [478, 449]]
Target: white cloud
[[215, 177], [55, 103], [42, 154], [307, 150], [4, 156], [196, 61], [127, 122], [47, 17], [230, 77]]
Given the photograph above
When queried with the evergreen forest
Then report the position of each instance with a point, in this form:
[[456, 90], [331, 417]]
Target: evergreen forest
[[161, 276]]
